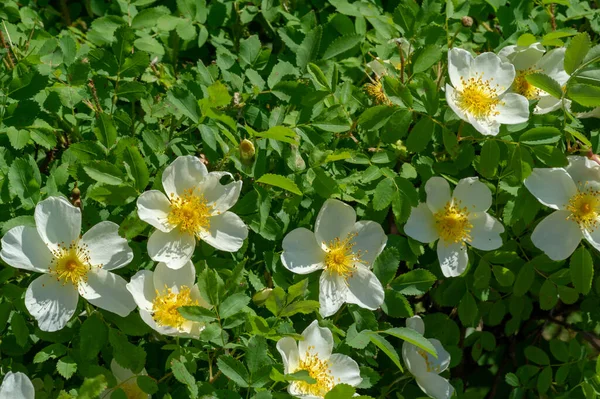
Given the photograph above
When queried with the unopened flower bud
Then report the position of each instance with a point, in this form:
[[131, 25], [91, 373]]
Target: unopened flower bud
[[247, 151], [467, 21]]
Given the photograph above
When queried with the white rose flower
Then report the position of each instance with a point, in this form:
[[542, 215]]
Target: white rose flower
[[127, 381], [345, 249], [478, 92], [160, 293], [72, 265], [531, 59], [426, 368], [455, 219], [574, 191], [196, 206], [313, 354], [16, 386]]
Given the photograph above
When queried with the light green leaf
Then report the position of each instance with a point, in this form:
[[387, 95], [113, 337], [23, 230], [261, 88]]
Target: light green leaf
[[281, 182], [582, 270], [342, 44], [576, 52]]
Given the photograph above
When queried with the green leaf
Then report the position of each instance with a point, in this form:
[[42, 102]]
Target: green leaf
[[524, 279], [234, 370], [503, 275], [181, 374], [218, 95], [136, 167], [511, 379], [197, 313], [92, 387], [104, 172], [415, 282], [576, 52], [281, 182], [233, 304], [582, 270], [19, 329], [66, 367], [375, 117], [185, 102], [521, 163], [467, 310], [280, 133], [147, 384], [125, 353], [341, 45], [541, 135], [147, 18], [341, 391], [413, 337], [482, 275], [426, 57], [548, 295], [545, 83], [420, 135], [386, 265], [93, 334], [105, 130], [53, 351], [25, 180], [384, 193], [386, 347], [18, 137], [319, 76], [309, 48], [537, 356], [586, 95]]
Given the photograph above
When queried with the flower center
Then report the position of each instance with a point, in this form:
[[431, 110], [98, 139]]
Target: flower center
[[452, 223], [523, 87], [319, 370], [165, 305], [585, 208], [340, 258], [190, 212], [376, 92], [71, 264], [478, 97]]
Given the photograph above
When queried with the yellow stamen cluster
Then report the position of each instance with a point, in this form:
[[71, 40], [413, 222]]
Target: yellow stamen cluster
[[340, 256], [191, 212], [71, 264], [452, 223], [165, 305], [319, 370], [376, 92], [585, 208], [523, 87], [478, 97]]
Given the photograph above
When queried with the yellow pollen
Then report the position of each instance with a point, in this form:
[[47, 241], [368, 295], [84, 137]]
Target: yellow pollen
[[319, 370], [478, 97], [376, 92], [523, 87], [585, 208], [71, 264], [340, 257], [452, 223], [165, 305], [190, 212]]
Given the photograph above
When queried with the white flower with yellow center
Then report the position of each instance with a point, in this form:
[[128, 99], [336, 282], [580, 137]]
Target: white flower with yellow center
[[313, 354], [531, 59], [161, 293], [574, 191], [478, 92], [72, 265], [195, 206], [126, 381], [345, 250], [426, 368], [455, 219], [16, 386]]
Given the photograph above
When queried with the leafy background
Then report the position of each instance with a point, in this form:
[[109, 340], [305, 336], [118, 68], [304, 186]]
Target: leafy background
[[98, 97]]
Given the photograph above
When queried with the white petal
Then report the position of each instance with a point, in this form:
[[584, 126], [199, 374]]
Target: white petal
[[553, 65], [154, 208], [344, 370], [142, 289], [173, 248], [227, 232], [185, 173], [485, 233], [522, 57], [106, 247], [23, 248], [165, 277], [288, 348], [222, 197], [438, 193], [335, 220], [332, 293], [553, 187], [582, 169], [443, 360], [593, 237], [318, 341], [301, 252], [416, 323], [364, 289], [120, 373], [16, 386], [546, 104], [57, 222], [459, 65], [473, 194], [490, 67], [557, 235], [413, 359], [107, 291], [164, 330], [453, 257], [435, 386], [421, 224], [513, 109], [369, 241], [451, 99], [487, 127], [50, 302]]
